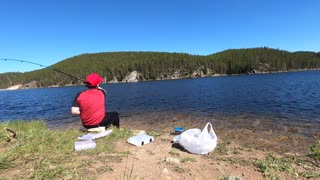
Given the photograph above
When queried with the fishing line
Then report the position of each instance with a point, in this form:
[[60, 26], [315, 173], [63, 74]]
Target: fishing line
[[48, 67]]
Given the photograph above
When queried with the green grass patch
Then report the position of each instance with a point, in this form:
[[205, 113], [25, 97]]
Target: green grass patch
[[190, 159], [310, 174], [314, 151], [154, 134], [271, 165], [49, 153], [222, 148], [174, 152]]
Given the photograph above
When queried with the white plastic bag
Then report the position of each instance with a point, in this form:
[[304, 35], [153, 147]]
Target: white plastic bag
[[199, 142]]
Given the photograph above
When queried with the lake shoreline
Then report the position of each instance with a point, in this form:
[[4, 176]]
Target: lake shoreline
[[257, 133], [23, 86], [114, 158]]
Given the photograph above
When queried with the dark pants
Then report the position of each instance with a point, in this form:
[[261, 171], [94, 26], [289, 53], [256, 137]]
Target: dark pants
[[109, 118]]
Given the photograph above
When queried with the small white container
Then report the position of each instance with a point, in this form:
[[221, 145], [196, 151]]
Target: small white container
[[92, 136], [81, 145], [140, 139]]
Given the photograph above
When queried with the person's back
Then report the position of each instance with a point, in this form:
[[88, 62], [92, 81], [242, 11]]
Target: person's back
[[90, 105]]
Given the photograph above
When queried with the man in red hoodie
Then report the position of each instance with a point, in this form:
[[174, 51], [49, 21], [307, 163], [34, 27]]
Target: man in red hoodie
[[90, 105]]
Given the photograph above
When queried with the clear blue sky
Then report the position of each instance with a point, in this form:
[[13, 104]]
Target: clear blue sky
[[49, 31]]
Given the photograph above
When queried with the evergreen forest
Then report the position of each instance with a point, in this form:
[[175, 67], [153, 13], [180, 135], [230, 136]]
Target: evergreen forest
[[163, 65]]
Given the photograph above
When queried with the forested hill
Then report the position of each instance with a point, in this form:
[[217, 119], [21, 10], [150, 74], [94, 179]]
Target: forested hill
[[116, 66]]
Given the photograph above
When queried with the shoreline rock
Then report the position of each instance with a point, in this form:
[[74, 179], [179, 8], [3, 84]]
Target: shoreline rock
[[15, 87]]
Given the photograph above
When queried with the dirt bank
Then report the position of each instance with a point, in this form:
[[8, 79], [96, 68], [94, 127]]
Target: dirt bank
[[236, 157]]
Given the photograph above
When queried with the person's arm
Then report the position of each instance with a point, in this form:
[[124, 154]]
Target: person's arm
[[75, 110]]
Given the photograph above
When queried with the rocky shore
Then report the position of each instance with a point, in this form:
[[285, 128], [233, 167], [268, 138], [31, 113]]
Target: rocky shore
[[30, 85], [135, 76]]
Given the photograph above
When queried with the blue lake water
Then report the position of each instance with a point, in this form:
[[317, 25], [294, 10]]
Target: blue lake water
[[278, 101], [285, 96]]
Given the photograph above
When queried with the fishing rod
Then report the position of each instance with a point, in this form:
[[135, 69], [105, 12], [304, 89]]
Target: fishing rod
[[48, 67]]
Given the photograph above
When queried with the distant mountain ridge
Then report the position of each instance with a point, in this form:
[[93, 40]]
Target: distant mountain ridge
[[143, 66]]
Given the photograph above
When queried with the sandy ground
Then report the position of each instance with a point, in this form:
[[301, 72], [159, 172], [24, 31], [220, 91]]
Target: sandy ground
[[160, 160]]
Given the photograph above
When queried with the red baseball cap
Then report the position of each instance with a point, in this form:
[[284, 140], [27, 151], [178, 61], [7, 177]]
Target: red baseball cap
[[94, 79]]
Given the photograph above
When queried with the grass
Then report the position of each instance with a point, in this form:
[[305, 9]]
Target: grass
[[154, 134], [174, 152], [190, 159], [314, 151], [222, 147], [41, 153], [271, 165], [44, 153]]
